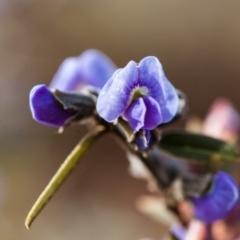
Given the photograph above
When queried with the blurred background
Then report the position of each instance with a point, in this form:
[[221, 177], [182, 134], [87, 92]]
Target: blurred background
[[198, 45]]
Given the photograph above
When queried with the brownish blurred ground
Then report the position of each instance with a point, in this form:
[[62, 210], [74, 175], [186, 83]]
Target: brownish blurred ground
[[198, 44]]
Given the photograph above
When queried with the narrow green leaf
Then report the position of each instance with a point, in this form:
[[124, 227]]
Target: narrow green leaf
[[198, 147], [62, 173]]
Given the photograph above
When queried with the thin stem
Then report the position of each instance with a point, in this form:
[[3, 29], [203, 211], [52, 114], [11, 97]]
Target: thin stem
[[63, 172], [153, 166]]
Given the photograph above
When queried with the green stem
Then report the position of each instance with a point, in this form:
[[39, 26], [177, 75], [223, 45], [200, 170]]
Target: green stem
[[71, 161]]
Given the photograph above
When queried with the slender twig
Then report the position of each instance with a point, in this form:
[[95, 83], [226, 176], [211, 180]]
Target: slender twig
[[152, 165]]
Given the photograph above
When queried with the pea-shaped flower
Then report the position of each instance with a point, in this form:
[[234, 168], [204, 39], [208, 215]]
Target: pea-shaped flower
[[141, 94], [220, 200], [91, 70]]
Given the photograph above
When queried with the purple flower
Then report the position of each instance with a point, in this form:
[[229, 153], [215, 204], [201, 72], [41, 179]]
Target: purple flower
[[91, 69], [178, 231], [222, 197], [141, 93]]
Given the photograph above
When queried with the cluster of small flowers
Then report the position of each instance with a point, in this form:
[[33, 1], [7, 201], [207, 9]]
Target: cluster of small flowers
[[139, 94]]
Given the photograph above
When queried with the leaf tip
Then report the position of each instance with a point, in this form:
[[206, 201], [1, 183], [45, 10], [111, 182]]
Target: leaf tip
[[28, 223]]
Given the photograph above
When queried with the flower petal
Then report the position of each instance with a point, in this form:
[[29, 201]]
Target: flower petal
[[91, 68], [135, 114], [152, 76], [46, 109], [116, 93], [178, 231], [221, 199], [96, 68], [222, 121], [67, 77], [153, 116], [143, 113]]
